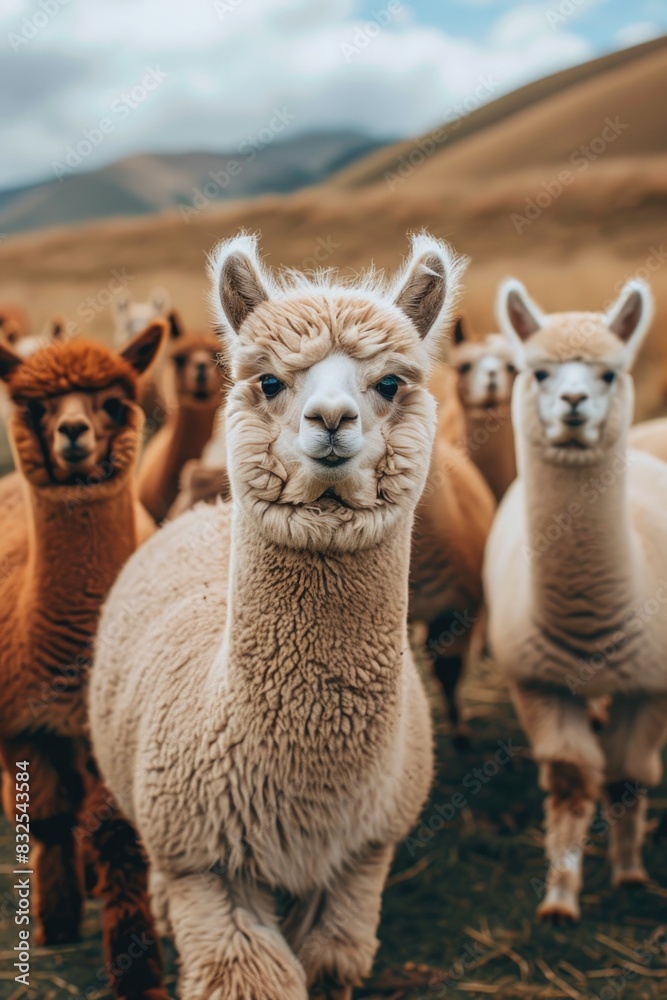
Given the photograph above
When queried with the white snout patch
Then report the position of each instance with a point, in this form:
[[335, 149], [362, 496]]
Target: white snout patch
[[330, 428], [573, 401]]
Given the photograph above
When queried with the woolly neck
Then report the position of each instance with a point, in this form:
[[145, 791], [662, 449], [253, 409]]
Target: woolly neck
[[297, 643], [582, 556]]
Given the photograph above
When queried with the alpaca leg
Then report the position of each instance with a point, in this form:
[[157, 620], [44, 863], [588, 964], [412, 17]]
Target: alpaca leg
[[131, 942], [56, 791], [338, 952], [448, 670], [229, 942], [569, 812], [627, 821], [571, 768]]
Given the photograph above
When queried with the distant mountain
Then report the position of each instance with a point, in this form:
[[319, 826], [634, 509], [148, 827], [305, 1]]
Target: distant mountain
[[141, 185]]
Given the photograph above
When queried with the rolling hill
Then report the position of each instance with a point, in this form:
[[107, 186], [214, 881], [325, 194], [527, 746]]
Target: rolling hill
[[142, 185]]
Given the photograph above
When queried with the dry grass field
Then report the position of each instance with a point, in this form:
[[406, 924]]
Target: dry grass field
[[458, 914]]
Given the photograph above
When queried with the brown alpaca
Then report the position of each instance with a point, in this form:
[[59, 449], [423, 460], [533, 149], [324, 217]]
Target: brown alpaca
[[485, 376], [16, 318], [452, 524], [198, 383], [67, 526]]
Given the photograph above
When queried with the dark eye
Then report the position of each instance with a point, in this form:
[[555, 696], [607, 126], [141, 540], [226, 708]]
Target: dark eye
[[114, 408], [609, 377], [36, 411], [465, 368], [388, 386], [510, 368], [271, 385], [179, 361], [540, 374]]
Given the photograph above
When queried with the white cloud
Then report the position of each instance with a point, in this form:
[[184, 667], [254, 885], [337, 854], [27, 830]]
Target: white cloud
[[635, 34], [228, 66]]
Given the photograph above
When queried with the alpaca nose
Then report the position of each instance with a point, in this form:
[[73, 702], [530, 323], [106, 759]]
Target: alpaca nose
[[332, 411], [574, 398], [73, 429]]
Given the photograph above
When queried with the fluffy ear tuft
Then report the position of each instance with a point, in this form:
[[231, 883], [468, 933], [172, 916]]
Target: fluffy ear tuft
[[518, 316], [8, 361], [240, 282], [630, 316], [460, 333], [143, 349], [175, 325], [427, 288]]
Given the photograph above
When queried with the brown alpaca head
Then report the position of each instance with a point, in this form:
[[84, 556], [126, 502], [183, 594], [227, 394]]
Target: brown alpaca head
[[485, 368], [199, 378], [76, 417]]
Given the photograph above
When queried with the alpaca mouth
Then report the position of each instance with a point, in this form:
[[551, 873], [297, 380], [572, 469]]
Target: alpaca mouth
[[574, 420], [332, 460], [74, 454], [201, 395]]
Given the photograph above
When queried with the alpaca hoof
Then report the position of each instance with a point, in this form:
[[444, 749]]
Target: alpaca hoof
[[629, 877], [559, 907]]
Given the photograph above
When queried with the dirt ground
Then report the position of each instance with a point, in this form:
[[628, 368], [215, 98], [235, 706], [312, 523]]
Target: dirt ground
[[458, 915]]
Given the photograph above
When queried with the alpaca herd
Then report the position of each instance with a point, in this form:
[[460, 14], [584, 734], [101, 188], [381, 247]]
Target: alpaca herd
[[215, 621]]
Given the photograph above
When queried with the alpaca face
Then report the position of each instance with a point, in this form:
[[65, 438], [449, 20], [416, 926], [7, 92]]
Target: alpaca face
[[131, 317], [329, 424], [198, 376], [486, 371], [74, 408], [78, 429], [573, 399]]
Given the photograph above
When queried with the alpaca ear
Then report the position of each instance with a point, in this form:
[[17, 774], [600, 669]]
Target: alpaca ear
[[175, 325], [459, 331], [143, 349], [159, 299], [10, 331], [240, 283], [57, 327], [630, 316], [121, 302], [427, 288], [517, 314], [8, 361]]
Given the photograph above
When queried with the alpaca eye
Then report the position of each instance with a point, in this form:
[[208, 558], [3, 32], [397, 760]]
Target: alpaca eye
[[36, 411], [271, 385], [388, 386], [540, 375], [114, 408], [465, 368], [609, 377], [510, 368], [179, 361]]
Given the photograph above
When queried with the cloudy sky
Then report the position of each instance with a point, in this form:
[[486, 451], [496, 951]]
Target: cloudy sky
[[173, 76]]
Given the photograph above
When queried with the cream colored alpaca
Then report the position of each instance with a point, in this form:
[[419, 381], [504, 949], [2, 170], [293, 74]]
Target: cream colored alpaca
[[575, 580], [651, 436], [260, 713], [486, 373]]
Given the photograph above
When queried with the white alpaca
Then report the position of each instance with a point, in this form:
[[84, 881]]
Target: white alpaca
[[485, 376], [131, 317], [260, 713], [575, 580]]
